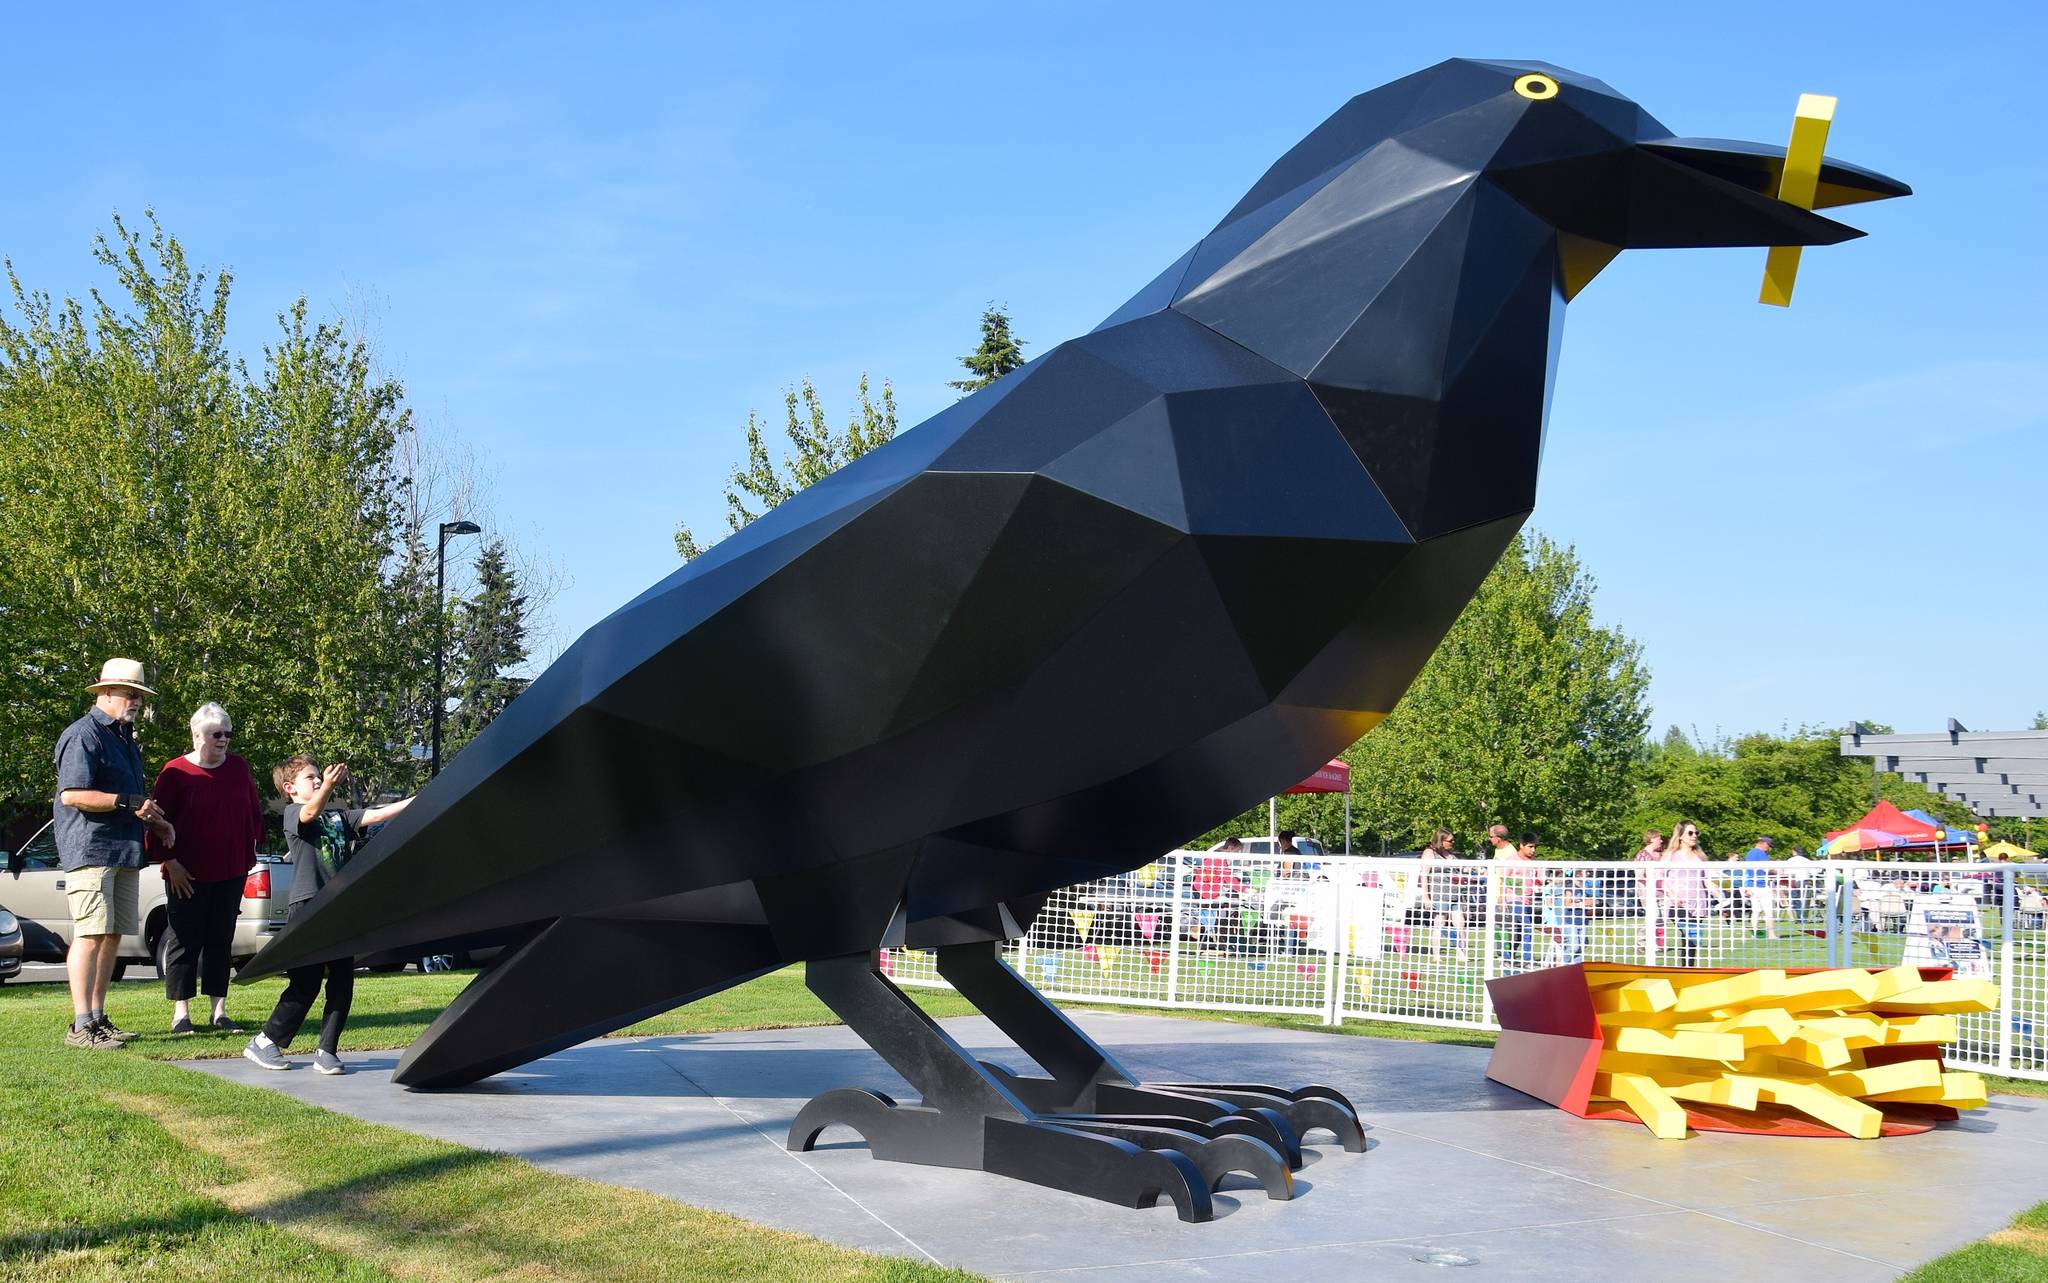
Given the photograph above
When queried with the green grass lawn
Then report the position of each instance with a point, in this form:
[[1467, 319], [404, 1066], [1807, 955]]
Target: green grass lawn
[[114, 1165]]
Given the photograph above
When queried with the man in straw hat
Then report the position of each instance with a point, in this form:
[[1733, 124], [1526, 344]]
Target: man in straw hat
[[100, 816]]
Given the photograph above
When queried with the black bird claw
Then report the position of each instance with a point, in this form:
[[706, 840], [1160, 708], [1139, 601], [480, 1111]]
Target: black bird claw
[[1306, 1109], [1215, 1152]]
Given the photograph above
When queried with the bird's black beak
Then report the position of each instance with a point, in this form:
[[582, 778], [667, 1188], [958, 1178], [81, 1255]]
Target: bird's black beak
[[1700, 192], [1680, 193]]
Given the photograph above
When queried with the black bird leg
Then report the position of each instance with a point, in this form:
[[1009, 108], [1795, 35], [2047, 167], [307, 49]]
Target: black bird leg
[[1086, 1078], [1051, 1131], [969, 1118]]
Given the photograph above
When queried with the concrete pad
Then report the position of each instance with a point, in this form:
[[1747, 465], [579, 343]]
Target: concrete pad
[[1456, 1164]]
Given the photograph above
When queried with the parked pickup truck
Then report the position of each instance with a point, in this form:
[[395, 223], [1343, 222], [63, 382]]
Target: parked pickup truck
[[33, 890]]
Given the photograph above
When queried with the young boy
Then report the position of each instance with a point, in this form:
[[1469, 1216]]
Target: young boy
[[318, 839]]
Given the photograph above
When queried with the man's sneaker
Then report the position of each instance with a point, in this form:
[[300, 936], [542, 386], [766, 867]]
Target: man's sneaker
[[92, 1036], [108, 1028], [328, 1063], [265, 1053]]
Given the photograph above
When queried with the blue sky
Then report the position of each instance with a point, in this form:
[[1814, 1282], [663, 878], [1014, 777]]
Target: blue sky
[[589, 242]]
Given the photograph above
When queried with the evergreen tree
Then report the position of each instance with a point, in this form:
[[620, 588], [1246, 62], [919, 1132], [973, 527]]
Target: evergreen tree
[[1000, 352], [488, 643], [816, 452]]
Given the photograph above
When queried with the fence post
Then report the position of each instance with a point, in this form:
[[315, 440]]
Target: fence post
[[1650, 893], [1180, 877], [2008, 907], [1835, 893], [1338, 963], [1487, 969]]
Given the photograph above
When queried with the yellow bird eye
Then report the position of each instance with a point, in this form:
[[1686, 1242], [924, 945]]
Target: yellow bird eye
[[1536, 87]]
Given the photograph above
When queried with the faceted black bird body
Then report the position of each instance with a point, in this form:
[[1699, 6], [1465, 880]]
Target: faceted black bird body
[[1163, 571]]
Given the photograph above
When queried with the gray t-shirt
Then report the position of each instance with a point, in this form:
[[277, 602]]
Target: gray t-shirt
[[318, 847]]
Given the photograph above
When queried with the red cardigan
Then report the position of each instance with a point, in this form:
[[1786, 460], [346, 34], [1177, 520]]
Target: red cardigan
[[218, 815]]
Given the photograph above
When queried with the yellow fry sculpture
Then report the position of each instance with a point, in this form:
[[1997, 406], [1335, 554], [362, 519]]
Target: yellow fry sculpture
[[1798, 184], [1846, 1052]]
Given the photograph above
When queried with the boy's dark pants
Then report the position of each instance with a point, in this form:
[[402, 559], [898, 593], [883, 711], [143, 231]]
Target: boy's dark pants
[[301, 986], [202, 927]]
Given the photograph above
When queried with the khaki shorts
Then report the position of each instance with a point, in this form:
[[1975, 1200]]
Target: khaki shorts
[[103, 901]]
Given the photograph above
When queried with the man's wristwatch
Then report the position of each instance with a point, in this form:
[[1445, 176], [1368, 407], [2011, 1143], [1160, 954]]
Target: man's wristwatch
[[128, 801]]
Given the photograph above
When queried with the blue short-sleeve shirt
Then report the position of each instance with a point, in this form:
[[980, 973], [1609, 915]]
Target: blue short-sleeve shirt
[[98, 752]]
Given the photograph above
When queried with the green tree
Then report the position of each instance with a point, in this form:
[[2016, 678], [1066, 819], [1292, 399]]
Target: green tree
[[1529, 713], [1790, 788], [999, 352], [236, 528], [488, 644], [816, 451]]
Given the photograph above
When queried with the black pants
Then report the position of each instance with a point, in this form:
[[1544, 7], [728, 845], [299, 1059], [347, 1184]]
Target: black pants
[[1686, 926], [201, 939], [301, 986]]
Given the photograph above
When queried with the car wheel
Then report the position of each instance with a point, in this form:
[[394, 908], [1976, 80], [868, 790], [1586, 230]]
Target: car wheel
[[160, 952], [120, 971]]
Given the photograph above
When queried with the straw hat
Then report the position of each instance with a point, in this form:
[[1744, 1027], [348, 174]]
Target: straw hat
[[121, 672]]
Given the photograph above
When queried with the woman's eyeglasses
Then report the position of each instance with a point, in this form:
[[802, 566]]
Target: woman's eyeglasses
[[220, 735]]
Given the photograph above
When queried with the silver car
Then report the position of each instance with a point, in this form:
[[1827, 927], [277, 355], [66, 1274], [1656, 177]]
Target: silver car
[[33, 888], [10, 945]]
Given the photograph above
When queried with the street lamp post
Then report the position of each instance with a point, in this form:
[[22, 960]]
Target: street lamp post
[[441, 626]]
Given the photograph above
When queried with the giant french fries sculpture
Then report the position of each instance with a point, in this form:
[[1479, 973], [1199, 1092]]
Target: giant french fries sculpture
[[1850, 1052]]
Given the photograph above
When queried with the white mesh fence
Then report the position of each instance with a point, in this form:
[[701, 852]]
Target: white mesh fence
[[1414, 941]]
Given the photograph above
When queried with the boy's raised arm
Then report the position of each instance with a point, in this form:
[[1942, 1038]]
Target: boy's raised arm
[[379, 814]]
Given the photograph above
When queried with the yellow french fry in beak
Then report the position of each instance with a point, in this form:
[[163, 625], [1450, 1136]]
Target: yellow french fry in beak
[[1797, 183]]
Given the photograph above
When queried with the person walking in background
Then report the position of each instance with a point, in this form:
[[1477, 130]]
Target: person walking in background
[[1215, 881], [1573, 896], [1650, 894], [1443, 892], [210, 795], [1799, 886], [1688, 891], [318, 839], [1520, 889], [97, 822], [1760, 889], [1497, 844]]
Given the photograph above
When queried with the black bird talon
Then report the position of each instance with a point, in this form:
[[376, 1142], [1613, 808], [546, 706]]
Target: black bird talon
[[1306, 1109]]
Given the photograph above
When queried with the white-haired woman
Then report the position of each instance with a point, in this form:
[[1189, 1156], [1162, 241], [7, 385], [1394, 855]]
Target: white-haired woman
[[219, 821]]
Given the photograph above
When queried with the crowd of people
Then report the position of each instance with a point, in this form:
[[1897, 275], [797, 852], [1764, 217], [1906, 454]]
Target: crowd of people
[[199, 826], [1545, 912]]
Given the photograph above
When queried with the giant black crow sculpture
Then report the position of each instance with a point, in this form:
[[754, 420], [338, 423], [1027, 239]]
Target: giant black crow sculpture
[[1159, 573]]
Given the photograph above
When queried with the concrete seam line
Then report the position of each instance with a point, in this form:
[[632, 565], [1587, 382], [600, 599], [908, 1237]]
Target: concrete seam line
[[829, 1184]]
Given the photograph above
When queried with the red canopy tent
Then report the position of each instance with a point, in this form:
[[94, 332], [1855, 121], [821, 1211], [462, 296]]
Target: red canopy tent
[[1918, 833], [1333, 776], [1891, 819]]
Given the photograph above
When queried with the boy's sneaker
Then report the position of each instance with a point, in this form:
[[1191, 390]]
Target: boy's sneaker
[[92, 1036], [108, 1028], [264, 1052], [328, 1063]]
